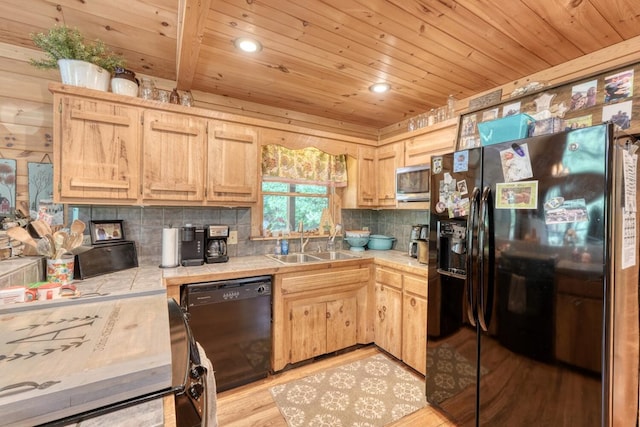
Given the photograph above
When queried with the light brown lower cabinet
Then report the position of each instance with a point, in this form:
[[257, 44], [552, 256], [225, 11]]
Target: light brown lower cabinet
[[401, 316], [320, 311], [388, 318], [414, 322]]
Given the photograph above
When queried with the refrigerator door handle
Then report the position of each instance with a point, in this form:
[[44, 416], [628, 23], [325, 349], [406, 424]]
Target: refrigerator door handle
[[472, 221], [486, 261]]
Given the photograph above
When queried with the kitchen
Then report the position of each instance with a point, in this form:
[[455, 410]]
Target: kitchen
[[144, 224]]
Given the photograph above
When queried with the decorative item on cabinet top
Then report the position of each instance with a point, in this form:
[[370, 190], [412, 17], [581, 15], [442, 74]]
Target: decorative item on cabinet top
[[86, 64], [601, 97]]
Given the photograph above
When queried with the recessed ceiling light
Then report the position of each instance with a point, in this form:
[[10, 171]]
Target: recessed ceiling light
[[246, 44], [380, 87]]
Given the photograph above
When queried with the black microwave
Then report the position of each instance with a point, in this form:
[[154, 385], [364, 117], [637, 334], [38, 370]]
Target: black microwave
[[412, 183]]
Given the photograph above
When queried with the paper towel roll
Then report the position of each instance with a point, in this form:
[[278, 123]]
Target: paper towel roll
[[170, 237]]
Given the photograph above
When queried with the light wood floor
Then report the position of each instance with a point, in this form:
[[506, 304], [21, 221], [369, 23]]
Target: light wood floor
[[252, 405]]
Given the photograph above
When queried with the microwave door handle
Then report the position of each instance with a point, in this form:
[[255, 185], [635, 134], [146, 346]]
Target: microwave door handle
[[471, 221], [486, 261]]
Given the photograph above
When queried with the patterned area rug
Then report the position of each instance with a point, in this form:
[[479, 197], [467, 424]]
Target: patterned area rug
[[371, 392], [448, 373]]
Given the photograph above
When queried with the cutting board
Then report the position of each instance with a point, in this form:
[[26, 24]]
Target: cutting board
[[57, 361]]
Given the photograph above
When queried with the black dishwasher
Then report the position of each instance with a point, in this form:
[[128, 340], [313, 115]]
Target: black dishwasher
[[231, 320]]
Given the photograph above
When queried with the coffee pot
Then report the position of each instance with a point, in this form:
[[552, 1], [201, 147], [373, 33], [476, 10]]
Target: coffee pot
[[216, 244], [217, 248]]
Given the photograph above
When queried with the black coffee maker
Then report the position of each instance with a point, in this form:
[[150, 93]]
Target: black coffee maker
[[192, 245], [216, 244]]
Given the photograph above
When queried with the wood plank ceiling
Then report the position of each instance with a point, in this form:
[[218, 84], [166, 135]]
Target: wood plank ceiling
[[320, 56]]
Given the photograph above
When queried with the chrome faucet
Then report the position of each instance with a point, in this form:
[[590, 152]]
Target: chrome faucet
[[303, 243]]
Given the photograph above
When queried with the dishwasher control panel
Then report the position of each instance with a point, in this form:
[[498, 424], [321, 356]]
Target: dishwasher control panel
[[227, 290]]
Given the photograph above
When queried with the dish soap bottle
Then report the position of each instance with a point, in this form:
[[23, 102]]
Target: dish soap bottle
[[284, 247], [278, 249]]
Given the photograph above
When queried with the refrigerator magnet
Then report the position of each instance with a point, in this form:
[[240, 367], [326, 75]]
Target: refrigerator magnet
[[436, 164], [568, 211], [516, 163], [553, 203], [461, 161], [517, 195], [459, 206], [462, 187]]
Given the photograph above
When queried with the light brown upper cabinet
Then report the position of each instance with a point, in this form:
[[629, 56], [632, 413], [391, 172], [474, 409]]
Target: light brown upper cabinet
[[388, 158], [174, 156], [232, 173], [111, 148], [367, 192], [435, 140], [99, 159], [374, 185]]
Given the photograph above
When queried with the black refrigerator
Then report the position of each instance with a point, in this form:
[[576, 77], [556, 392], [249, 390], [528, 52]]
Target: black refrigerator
[[526, 256]]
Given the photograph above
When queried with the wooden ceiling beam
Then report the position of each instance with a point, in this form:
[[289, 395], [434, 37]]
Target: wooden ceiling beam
[[193, 15]]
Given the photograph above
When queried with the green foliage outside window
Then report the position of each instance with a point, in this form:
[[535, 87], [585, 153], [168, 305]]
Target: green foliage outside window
[[285, 205]]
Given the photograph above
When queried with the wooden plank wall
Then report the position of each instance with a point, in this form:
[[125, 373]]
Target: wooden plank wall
[[26, 104]]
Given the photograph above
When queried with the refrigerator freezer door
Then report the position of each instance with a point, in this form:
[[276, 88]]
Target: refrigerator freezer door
[[549, 209], [539, 342]]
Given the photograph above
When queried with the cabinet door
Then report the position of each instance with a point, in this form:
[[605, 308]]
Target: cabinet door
[[579, 331], [414, 330], [389, 158], [388, 322], [174, 152], [367, 193], [419, 149], [341, 323], [99, 150], [308, 326], [232, 174]]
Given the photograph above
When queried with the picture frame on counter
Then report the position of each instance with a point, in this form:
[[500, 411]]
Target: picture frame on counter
[[106, 231]]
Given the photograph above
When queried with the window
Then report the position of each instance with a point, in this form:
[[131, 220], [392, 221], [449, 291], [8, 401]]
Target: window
[[298, 185], [284, 205]]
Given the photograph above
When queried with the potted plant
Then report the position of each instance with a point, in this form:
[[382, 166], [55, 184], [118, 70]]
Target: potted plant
[[80, 63]]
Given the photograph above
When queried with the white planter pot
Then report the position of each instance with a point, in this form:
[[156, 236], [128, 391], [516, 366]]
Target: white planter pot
[[84, 74]]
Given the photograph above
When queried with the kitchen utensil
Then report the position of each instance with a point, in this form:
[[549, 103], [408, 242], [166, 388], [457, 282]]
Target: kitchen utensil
[[76, 241], [380, 242], [41, 227], [77, 227], [52, 244], [22, 235], [59, 237], [45, 249]]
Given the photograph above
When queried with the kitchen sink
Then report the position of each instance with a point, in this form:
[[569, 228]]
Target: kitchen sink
[[300, 258], [333, 255], [294, 258]]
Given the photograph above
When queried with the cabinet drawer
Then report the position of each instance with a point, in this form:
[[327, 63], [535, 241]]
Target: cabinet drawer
[[389, 277], [415, 285], [581, 285], [322, 279]]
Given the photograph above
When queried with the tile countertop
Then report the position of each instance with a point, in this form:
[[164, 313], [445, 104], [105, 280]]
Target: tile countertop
[[261, 264], [150, 279]]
